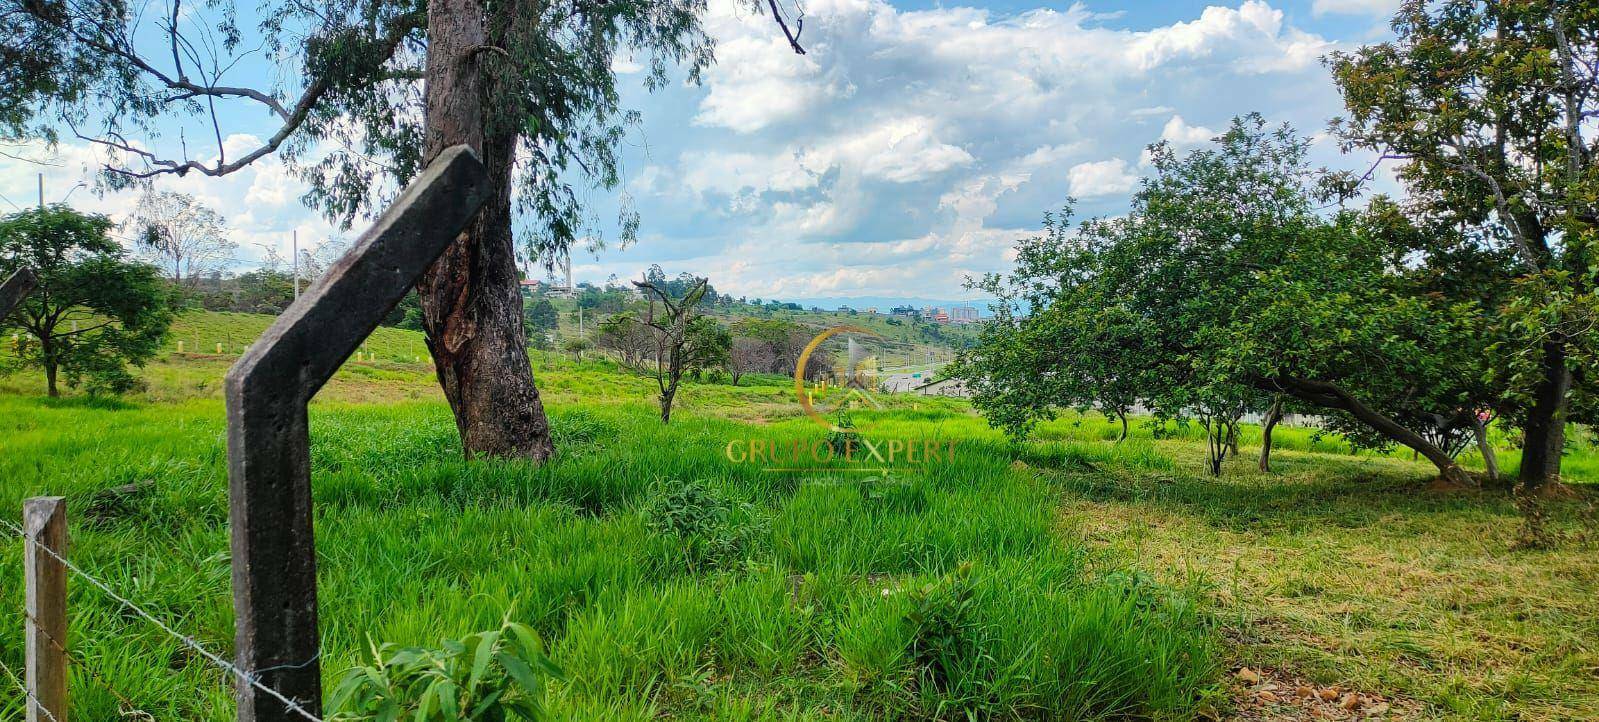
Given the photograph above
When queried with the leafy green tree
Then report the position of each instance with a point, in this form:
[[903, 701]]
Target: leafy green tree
[[1490, 106], [1221, 289], [263, 290], [94, 311], [709, 346]]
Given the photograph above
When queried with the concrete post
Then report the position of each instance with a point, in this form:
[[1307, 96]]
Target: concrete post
[[269, 475]]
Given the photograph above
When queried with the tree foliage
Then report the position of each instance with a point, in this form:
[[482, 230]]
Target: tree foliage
[[1490, 106], [1220, 289], [94, 311]]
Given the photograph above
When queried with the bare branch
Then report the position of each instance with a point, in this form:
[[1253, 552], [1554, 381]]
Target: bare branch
[[793, 36]]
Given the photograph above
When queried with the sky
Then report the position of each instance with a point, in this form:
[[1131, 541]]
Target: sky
[[909, 149]]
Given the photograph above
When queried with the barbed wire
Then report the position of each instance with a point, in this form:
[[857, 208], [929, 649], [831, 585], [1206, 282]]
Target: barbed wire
[[127, 706], [190, 642], [26, 695]]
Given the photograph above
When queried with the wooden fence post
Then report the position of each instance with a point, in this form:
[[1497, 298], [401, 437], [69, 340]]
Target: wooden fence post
[[269, 461], [44, 521], [16, 288]]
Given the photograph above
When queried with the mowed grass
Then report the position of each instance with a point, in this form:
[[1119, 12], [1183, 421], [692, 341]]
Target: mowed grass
[[1096, 579]]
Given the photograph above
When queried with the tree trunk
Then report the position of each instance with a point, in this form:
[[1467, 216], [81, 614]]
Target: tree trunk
[[471, 307], [1490, 461], [667, 394], [1545, 425], [1332, 396], [1273, 415], [50, 378], [1123, 417]]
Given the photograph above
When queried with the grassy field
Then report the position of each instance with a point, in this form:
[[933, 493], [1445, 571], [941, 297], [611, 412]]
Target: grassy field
[[1071, 577]]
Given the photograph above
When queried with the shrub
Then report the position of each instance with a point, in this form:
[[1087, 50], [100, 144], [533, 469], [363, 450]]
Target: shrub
[[489, 676], [713, 530]]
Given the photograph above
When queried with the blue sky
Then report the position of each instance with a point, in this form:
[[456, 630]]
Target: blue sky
[[910, 148]]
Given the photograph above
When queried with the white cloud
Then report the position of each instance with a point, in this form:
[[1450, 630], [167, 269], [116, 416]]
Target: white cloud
[[903, 150], [1179, 133], [1101, 178], [1221, 30]]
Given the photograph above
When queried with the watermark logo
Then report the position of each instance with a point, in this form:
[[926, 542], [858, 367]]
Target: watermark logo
[[855, 379], [827, 391]]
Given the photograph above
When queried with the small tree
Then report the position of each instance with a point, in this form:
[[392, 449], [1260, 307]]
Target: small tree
[[1222, 287], [672, 350], [576, 347], [709, 346], [94, 311], [182, 235], [749, 355], [630, 339]]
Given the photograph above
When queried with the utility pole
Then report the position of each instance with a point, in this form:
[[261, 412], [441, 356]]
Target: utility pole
[[295, 245], [41, 191]]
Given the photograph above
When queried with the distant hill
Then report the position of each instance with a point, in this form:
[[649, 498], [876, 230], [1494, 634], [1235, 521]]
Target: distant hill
[[883, 303]]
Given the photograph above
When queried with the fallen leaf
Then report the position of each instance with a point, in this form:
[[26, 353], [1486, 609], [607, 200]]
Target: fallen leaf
[[1304, 691], [1350, 701], [1248, 676], [1377, 709], [1329, 694], [1266, 695]]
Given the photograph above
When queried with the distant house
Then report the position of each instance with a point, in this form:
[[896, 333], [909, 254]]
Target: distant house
[[906, 311], [530, 287], [940, 317]]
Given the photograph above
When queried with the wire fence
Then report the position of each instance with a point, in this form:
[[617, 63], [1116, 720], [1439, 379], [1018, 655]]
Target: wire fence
[[130, 709]]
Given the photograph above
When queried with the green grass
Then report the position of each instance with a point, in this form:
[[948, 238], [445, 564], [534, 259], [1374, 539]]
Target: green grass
[[808, 612], [1083, 578]]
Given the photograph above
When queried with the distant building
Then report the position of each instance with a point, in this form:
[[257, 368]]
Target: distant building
[[963, 314], [530, 287], [906, 311], [940, 317]]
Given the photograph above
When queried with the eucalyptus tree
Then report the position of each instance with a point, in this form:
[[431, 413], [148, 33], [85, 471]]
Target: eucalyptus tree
[[364, 94], [1490, 108]]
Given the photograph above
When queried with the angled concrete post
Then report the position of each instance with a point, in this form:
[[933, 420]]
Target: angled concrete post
[[16, 288], [269, 474]]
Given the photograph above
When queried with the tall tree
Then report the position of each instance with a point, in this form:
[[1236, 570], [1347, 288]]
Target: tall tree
[[94, 311], [527, 84], [182, 235], [1490, 106]]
